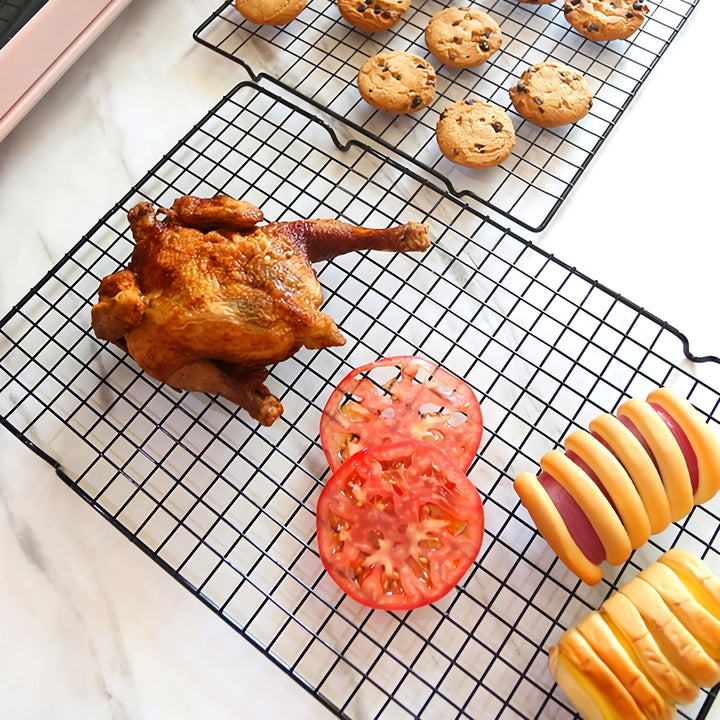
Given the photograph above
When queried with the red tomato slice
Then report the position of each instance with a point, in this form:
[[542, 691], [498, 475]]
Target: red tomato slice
[[399, 525], [401, 397]]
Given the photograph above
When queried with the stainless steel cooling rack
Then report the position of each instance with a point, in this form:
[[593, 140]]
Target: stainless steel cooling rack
[[227, 507], [317, 56]]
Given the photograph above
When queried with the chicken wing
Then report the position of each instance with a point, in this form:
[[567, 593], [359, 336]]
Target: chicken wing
[[211, 298]]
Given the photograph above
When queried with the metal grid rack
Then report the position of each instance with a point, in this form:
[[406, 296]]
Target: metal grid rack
[[227, 507], [317, 56]]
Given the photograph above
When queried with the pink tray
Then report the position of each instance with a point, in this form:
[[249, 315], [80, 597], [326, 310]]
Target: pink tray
[[37, 56]]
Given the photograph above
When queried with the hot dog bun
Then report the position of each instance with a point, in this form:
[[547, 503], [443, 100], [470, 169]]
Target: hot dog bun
[[667, 454], [617, 483], [552, 527], [593, 503], [639, 466], [702, 439]]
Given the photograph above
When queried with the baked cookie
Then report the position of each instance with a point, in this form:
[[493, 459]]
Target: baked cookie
[[475, 133], [550, 94], [462, 37], [373, 15], [270, 12], [396, 81], [603, 20]]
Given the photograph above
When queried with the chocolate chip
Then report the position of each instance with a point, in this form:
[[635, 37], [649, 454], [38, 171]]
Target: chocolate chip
[[488, 33], [479, 147], [637, 5], [417, 100], [496, 126], [469, 102], [629, 14], [521, 87], [484, 46], [538, 100]]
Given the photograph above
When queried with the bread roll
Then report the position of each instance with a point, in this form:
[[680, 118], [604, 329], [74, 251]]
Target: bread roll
[[619, 655], [697, 577], [696, 618], [678, 644], [591, 686]]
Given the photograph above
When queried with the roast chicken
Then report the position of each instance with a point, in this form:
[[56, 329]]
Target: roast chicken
[[211, 297]]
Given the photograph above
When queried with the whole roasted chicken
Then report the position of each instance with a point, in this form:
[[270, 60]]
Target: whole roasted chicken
[[211, 298]]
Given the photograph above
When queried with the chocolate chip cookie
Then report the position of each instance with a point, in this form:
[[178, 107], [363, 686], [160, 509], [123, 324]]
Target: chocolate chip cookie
[[373, 15], [398, 82], [462, 37], [270, 12], [549, 94], [603, 20], [475, 133]]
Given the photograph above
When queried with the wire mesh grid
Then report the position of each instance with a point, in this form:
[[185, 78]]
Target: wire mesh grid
[[227, 507], [318, 56]]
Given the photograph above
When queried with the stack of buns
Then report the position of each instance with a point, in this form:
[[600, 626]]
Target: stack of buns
[[650, 647], [626, 478]]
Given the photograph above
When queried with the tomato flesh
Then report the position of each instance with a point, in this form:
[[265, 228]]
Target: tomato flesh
[[401, 398], [399, 525]]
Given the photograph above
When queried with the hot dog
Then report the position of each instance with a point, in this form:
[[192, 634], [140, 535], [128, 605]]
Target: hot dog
[[628, 477]]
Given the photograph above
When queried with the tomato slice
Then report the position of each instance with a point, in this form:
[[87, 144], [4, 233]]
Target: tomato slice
[[399, 398], [398, 525]]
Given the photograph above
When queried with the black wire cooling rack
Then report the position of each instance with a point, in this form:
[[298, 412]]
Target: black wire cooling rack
[[317, 56], [227, 507]]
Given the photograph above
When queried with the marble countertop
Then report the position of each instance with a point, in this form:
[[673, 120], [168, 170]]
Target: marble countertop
[[91, 627]]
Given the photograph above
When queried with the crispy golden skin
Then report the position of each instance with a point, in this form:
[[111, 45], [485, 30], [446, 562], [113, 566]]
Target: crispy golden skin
[[211, 298]]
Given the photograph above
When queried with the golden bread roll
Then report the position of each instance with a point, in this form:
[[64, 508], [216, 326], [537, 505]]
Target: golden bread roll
[[676, 641], [696, 618], [639, 465], [592, 502], [620, 656], [657, 636], [552, 527], [616, 481], [591, 686], [669, 680], [666, 452], [697, 577], [703, 441]]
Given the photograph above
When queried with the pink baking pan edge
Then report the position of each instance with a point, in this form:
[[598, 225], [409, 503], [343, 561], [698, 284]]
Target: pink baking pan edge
[[45, 49]]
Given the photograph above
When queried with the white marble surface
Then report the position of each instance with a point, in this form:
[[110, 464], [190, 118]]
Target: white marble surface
[[90, 627]]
